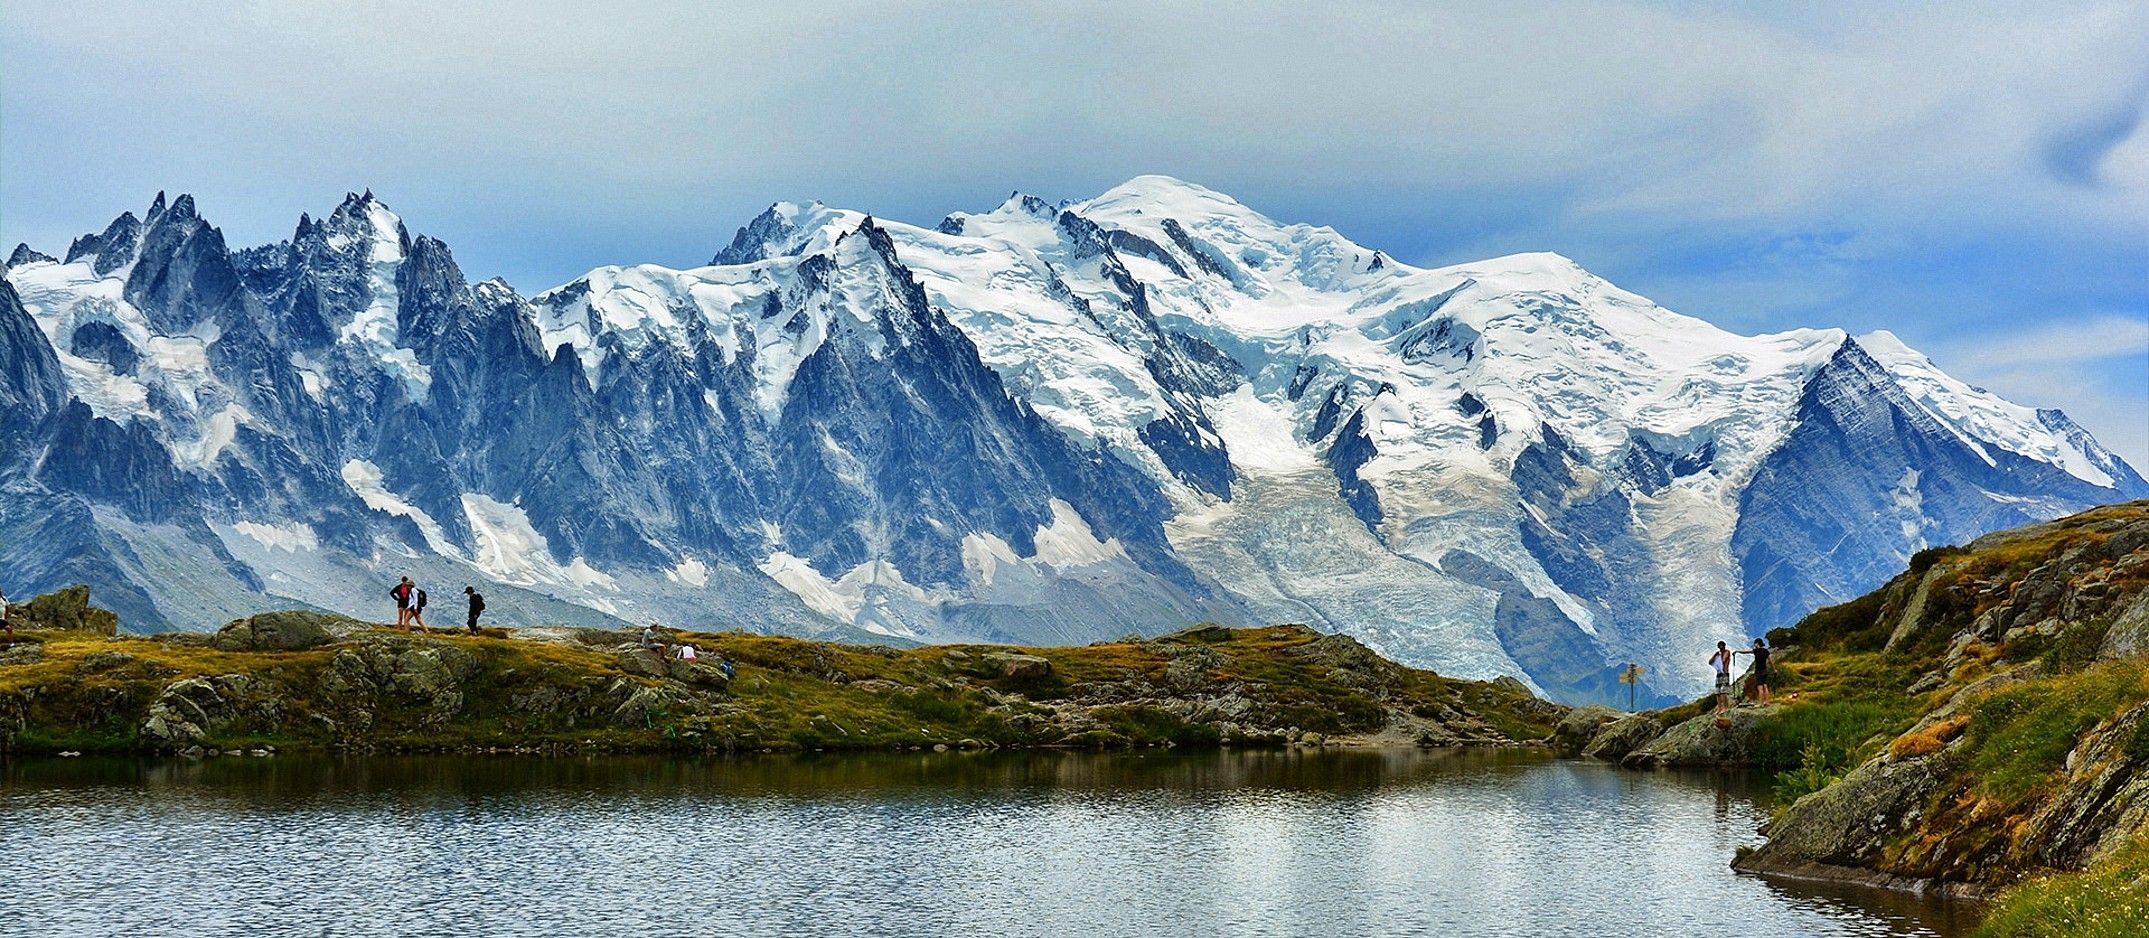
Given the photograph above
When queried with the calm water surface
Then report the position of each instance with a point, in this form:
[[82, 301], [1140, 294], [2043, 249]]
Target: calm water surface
[[1241, 843]]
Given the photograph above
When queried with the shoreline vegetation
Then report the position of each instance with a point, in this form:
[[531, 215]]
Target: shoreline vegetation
[[308, 680], [1978, 726]]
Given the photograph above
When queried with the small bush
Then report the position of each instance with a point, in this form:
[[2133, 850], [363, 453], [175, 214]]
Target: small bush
[[1925, 559], [1852, 626], [1818, 767], [1930, 739]]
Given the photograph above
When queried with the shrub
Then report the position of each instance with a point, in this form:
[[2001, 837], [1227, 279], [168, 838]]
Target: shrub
[[1854, 625]]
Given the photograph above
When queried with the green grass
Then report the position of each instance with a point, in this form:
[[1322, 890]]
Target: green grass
[[2109, 900], [2018, 737], [788, 694]]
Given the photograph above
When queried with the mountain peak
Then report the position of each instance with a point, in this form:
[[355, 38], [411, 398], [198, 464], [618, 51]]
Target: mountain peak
[[1170, 197], [786, 228]]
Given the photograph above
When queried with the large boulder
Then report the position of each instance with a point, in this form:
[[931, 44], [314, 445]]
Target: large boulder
[[1017, 665], [192, 709], [1579, 726], [1621, 736], [1848, 824], [2129, 634], [395, 679], [294, 630], [66, 610], [634, 659], [1703, 742]]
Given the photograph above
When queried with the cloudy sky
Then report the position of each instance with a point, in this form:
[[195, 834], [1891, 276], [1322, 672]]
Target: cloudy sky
[[1973, 176]]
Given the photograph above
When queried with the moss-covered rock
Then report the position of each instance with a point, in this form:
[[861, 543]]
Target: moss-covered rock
[[1615, 739], [66, 610], [1574, 732], [295, 630], [1708, 740]]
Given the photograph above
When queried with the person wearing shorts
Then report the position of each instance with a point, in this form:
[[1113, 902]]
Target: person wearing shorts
[[1760, 655], [1721, 661]]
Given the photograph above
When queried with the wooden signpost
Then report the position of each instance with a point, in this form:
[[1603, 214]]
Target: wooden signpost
[[1631, 677]]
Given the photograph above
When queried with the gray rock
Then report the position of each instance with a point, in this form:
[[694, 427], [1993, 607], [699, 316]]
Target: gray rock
[[1579, 727], [1849, 823], [191, 709], [1701, 742], [293, 630], [1018, 665], [1624, 735], [66, 610], [23, 653], [2129, 634]]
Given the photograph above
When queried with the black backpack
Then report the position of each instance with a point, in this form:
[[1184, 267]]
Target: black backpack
[[418, 599], [477, 602]]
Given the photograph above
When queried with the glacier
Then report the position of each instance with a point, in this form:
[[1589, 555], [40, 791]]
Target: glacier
[[1049, 422]]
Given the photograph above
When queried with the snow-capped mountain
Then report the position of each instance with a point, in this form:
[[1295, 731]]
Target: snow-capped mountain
[[1043, 423]]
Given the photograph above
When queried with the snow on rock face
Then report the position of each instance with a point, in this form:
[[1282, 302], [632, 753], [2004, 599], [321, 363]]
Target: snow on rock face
[[1509, 466], [366, 229], [364, 479]]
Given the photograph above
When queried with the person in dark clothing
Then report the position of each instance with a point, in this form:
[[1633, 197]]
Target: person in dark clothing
[[401, 594], [477, 605], [1760, 676]]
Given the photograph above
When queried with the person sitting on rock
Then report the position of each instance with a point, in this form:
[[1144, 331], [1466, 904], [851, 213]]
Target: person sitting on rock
[[686, 653], [401, 594]]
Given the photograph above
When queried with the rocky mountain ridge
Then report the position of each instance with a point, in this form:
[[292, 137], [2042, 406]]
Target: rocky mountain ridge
[[1046, 423]]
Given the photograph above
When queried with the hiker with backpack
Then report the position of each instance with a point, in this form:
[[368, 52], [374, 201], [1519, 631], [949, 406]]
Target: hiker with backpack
[[417, 609], [401, 593], [477, 605]]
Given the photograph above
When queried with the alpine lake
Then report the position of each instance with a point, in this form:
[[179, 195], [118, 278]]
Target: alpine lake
[[1311, 842]]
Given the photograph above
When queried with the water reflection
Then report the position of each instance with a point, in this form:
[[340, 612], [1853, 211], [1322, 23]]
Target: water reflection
[[1235, 843]]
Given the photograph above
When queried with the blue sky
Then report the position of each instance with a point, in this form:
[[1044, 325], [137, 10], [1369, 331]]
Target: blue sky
[[1972, 176]]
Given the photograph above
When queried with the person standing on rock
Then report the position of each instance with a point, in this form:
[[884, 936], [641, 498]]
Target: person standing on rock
[[1721, 661], [1760, 678], [417, 609], [477, 605], [6, 623], [401, 594]]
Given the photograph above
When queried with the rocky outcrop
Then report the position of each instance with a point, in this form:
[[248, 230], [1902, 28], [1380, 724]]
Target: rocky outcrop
[[1616, 739], [418, 678], [285, 631], [1842, 831], [1581, 725], [66, 610], [1706, 741], [2029, 748], [271, 677]]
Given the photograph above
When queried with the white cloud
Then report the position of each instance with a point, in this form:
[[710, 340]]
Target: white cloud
[[2073, 341]]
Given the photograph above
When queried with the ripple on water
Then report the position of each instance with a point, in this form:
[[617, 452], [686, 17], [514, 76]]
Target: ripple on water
[[1242, 843]]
